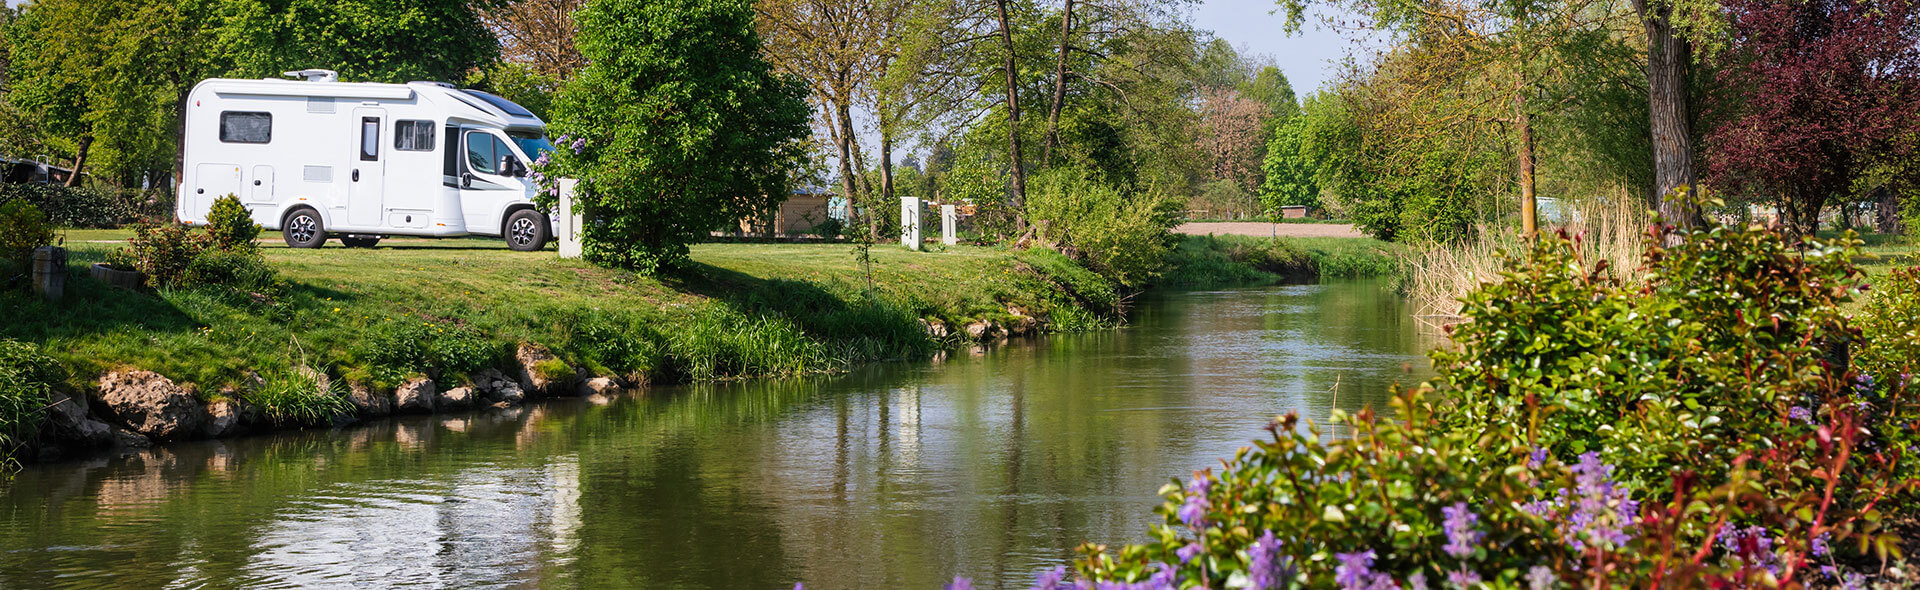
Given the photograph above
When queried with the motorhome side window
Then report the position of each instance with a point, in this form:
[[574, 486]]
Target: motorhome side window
[[370, 138], [245, 127], [413, 136]]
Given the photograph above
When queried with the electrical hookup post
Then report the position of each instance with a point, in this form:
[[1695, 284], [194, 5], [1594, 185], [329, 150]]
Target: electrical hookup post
[[910, 212], [949, 225], [566, 225]]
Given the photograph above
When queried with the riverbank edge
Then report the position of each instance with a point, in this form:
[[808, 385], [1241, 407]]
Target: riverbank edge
[[1210, 261], [129, 409]]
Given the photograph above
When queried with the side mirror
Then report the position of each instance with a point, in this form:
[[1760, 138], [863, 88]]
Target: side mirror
[[510, 166]]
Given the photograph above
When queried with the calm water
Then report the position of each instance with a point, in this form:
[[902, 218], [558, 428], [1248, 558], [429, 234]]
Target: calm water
[[992, 464]]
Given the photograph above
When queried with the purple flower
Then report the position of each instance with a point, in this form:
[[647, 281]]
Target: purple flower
[[1829, 571], [1417, 581], [1801, 415], [799, 586], [1266, 568], [563, 138], [1190, 551], [1537, 458], [579, 144], [1597, 510], [1820, 548], [1194, 510], [1540, 578], [1461, 536], [1853, 581], [960, 583], [1751, 545], [1463, 579], [1355, 570], [1053, 579]]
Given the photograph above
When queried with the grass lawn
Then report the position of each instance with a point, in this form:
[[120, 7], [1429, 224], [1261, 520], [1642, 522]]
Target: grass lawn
[[743, 310]]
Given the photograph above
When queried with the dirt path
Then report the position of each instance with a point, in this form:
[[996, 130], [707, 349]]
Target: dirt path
[[1255, 228]]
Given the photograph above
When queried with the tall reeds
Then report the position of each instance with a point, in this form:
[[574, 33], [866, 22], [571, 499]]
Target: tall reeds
[[1611, 229]]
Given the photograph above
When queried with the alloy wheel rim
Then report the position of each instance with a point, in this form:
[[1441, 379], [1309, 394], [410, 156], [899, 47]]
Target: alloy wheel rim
[[302, 228], [522, 231]]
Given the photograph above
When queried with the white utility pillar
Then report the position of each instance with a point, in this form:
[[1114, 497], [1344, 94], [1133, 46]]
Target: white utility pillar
[[568, 230], [949, 225], [910, 208]]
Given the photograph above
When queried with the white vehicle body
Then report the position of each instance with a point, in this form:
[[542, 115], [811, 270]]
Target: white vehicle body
[[367, 160]]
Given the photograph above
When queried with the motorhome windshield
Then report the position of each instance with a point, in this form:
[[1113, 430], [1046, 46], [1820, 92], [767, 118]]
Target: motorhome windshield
[[532, 145], [501, 103]]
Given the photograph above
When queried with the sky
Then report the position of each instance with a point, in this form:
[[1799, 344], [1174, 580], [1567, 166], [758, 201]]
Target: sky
[[1308, 58]]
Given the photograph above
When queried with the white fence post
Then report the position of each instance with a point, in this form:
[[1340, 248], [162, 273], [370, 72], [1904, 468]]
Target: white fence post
[[568, 231], [910, 210], [949, 224]]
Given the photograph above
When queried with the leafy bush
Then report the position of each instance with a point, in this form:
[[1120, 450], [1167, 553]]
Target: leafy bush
[[173, 255], [1890, 325], [1732, 331], [23, 227], [26, 385], [1706, 428], [300, 398], [79, 207], [1124, 237], [398, 347], [1404, 502], [161, 250], [243, 269], [230, 226]]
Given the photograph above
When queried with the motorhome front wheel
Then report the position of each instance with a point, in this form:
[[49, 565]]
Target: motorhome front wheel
[[527, 230]]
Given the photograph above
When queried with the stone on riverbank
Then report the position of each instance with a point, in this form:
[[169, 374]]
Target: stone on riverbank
[[151, 404], [416, 396], [369, 403], [458, 398], [224, 418], [526, 359], [128, 439], [495, 387], [70, 424], [597, 386]]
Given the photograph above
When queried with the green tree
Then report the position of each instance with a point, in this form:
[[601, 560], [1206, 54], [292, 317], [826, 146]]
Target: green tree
[[1289, 173], [1271, 87], [684, 126], [363, 40]]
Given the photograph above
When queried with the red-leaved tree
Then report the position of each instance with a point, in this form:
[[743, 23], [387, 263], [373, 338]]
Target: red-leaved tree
[[1821, 87]]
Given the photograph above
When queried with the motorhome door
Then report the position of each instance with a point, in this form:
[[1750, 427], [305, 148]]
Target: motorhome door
[[490, 182], [367, 182]]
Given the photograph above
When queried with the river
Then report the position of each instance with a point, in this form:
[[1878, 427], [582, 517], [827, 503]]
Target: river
[[990, 463]]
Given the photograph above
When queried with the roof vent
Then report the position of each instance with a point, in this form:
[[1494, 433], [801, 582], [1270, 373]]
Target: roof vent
[[314, 75]]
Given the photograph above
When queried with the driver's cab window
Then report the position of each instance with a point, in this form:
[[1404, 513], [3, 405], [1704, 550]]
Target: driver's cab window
[[485, 151]]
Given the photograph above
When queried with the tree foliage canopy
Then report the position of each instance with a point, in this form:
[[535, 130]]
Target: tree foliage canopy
[[684, 126]]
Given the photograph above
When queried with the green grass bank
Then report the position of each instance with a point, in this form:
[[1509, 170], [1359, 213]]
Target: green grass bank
[[451, 307], [1219, 261]]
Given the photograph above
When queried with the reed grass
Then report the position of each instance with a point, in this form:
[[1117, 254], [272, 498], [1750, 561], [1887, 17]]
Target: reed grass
[[1610, 229]]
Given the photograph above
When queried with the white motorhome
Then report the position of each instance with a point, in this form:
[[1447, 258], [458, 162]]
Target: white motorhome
[[361, 161]]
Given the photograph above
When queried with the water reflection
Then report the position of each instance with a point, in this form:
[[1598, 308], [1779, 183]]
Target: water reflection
[[992, 463]]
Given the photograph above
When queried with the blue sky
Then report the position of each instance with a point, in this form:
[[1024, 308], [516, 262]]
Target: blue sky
[[1309, 58]]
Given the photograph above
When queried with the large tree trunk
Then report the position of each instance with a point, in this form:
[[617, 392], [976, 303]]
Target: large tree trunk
[[1018, 199], [1059, 87], [1529, 212], [843, 143], [80, 160], [886, 163], [1801, 215], [1886, 212], [1668, 55]]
